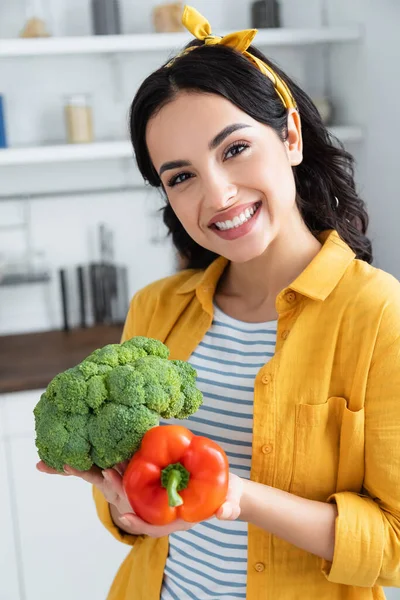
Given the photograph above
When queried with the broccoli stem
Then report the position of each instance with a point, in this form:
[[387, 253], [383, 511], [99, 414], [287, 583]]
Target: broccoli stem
[[174, 479]]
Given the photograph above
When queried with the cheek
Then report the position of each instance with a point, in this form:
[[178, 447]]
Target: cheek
[[186, 210], [276, 181]]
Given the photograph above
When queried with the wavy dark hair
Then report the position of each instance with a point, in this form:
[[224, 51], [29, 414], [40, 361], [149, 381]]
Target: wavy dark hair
[[326, 192]]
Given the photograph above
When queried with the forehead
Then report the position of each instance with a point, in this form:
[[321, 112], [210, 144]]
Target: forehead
[[189, 122]]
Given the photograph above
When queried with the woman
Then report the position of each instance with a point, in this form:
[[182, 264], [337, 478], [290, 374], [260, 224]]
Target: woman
[[295, 338]]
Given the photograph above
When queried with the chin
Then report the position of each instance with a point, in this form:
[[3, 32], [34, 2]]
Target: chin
[[247, 252]]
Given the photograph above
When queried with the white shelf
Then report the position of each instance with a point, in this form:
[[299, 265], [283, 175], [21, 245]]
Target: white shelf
[[165, 41], [110, 150], [66, 153]]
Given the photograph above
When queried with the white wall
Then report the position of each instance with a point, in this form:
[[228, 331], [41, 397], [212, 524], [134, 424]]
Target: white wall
[[372, 86]]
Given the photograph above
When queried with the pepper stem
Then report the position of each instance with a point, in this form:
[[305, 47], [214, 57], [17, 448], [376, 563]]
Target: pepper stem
[[174, 479]]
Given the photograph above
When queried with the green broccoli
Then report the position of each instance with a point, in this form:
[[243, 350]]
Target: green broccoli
[[98, 411]]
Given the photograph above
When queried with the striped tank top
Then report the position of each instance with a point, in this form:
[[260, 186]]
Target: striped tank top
[[209, 561]]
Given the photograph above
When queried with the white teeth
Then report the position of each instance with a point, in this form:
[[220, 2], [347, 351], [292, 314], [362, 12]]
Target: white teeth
[[236, 221]]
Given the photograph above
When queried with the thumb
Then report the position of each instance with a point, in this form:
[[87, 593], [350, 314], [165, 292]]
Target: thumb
[[228, 512]]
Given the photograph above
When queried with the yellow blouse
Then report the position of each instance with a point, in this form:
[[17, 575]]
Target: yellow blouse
[[326, 424]]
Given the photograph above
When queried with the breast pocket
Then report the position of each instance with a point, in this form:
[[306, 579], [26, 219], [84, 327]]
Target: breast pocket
[[328, 449]]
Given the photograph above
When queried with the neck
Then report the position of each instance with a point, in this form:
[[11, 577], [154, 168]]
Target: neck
[[255, 284]]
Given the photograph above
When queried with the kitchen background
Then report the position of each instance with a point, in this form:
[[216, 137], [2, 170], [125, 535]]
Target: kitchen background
[[65, 205]]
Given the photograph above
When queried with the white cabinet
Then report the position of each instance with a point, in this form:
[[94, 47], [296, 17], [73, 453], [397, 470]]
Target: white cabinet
[[9, 585], [64, 551]]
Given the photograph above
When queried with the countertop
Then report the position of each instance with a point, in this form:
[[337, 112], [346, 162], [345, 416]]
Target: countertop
[[30, 361]]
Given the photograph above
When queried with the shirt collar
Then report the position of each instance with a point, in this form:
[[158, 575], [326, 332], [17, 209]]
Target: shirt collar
[[326, 269], [205, 283], [317, 280]]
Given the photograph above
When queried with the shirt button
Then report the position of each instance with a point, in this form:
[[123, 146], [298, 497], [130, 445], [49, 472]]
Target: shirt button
[[259, 567], [291, 297], [266, 379], [285, 334], [266, 449]]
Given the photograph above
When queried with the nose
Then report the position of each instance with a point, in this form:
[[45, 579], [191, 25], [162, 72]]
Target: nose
[[219, 190]]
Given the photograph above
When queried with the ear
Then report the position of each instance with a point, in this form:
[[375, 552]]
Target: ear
[[294, 141]]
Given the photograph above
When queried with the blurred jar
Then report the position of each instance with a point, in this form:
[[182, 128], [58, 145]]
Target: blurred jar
[[78, 119], [106, 17], [37, 19], [167, 18], [265, 13]]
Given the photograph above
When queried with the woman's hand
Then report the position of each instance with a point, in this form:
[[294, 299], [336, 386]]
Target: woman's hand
[[231, 508], [109, 482]]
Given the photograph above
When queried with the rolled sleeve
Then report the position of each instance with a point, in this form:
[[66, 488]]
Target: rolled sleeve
[[367, 528], [359, 541]]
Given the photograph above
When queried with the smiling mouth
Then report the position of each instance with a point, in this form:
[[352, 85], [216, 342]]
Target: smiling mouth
[[239, 220]]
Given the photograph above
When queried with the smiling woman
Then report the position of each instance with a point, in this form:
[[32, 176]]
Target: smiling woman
[[186, 98], [236, 164], [295, 338]]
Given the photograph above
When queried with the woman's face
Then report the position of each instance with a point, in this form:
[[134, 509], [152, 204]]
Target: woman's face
[[228, 178]]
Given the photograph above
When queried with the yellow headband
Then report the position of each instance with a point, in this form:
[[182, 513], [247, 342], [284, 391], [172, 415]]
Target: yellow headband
[[239, 41]]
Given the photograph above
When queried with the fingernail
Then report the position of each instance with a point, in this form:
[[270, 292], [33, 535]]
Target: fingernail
[[226, 511], [105, 475], [124, 521], [67, 470]]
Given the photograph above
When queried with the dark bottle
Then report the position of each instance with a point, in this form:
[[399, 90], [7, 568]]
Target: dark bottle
[[106, 17], [265, 13]]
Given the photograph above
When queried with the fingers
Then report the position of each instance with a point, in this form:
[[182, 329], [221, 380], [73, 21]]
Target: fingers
[[113, 477], [136, 526], [228, 512], [111, 485], [121, 467], [92, 476], [43, 468], [113, 491], [109, 482], [230, 509]]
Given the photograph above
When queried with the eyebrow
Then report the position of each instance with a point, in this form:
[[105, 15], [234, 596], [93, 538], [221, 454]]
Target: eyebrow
[[215, 142], [219, 138]]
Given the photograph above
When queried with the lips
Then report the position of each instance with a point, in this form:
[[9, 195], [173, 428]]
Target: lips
[[230, 214]]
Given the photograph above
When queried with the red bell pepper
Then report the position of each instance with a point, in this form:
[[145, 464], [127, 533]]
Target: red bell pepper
[[176, 475]]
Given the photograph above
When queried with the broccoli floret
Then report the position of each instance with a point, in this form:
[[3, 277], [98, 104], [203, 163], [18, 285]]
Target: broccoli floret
[[149, 345], [162, 382], [98, 411], [191, 397], [116, 432], [108, 355], [68, 392], [126, 386], [61, 437]]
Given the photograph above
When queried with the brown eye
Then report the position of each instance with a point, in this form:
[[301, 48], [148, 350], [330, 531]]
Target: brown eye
[[180, 178], [235, 149]]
